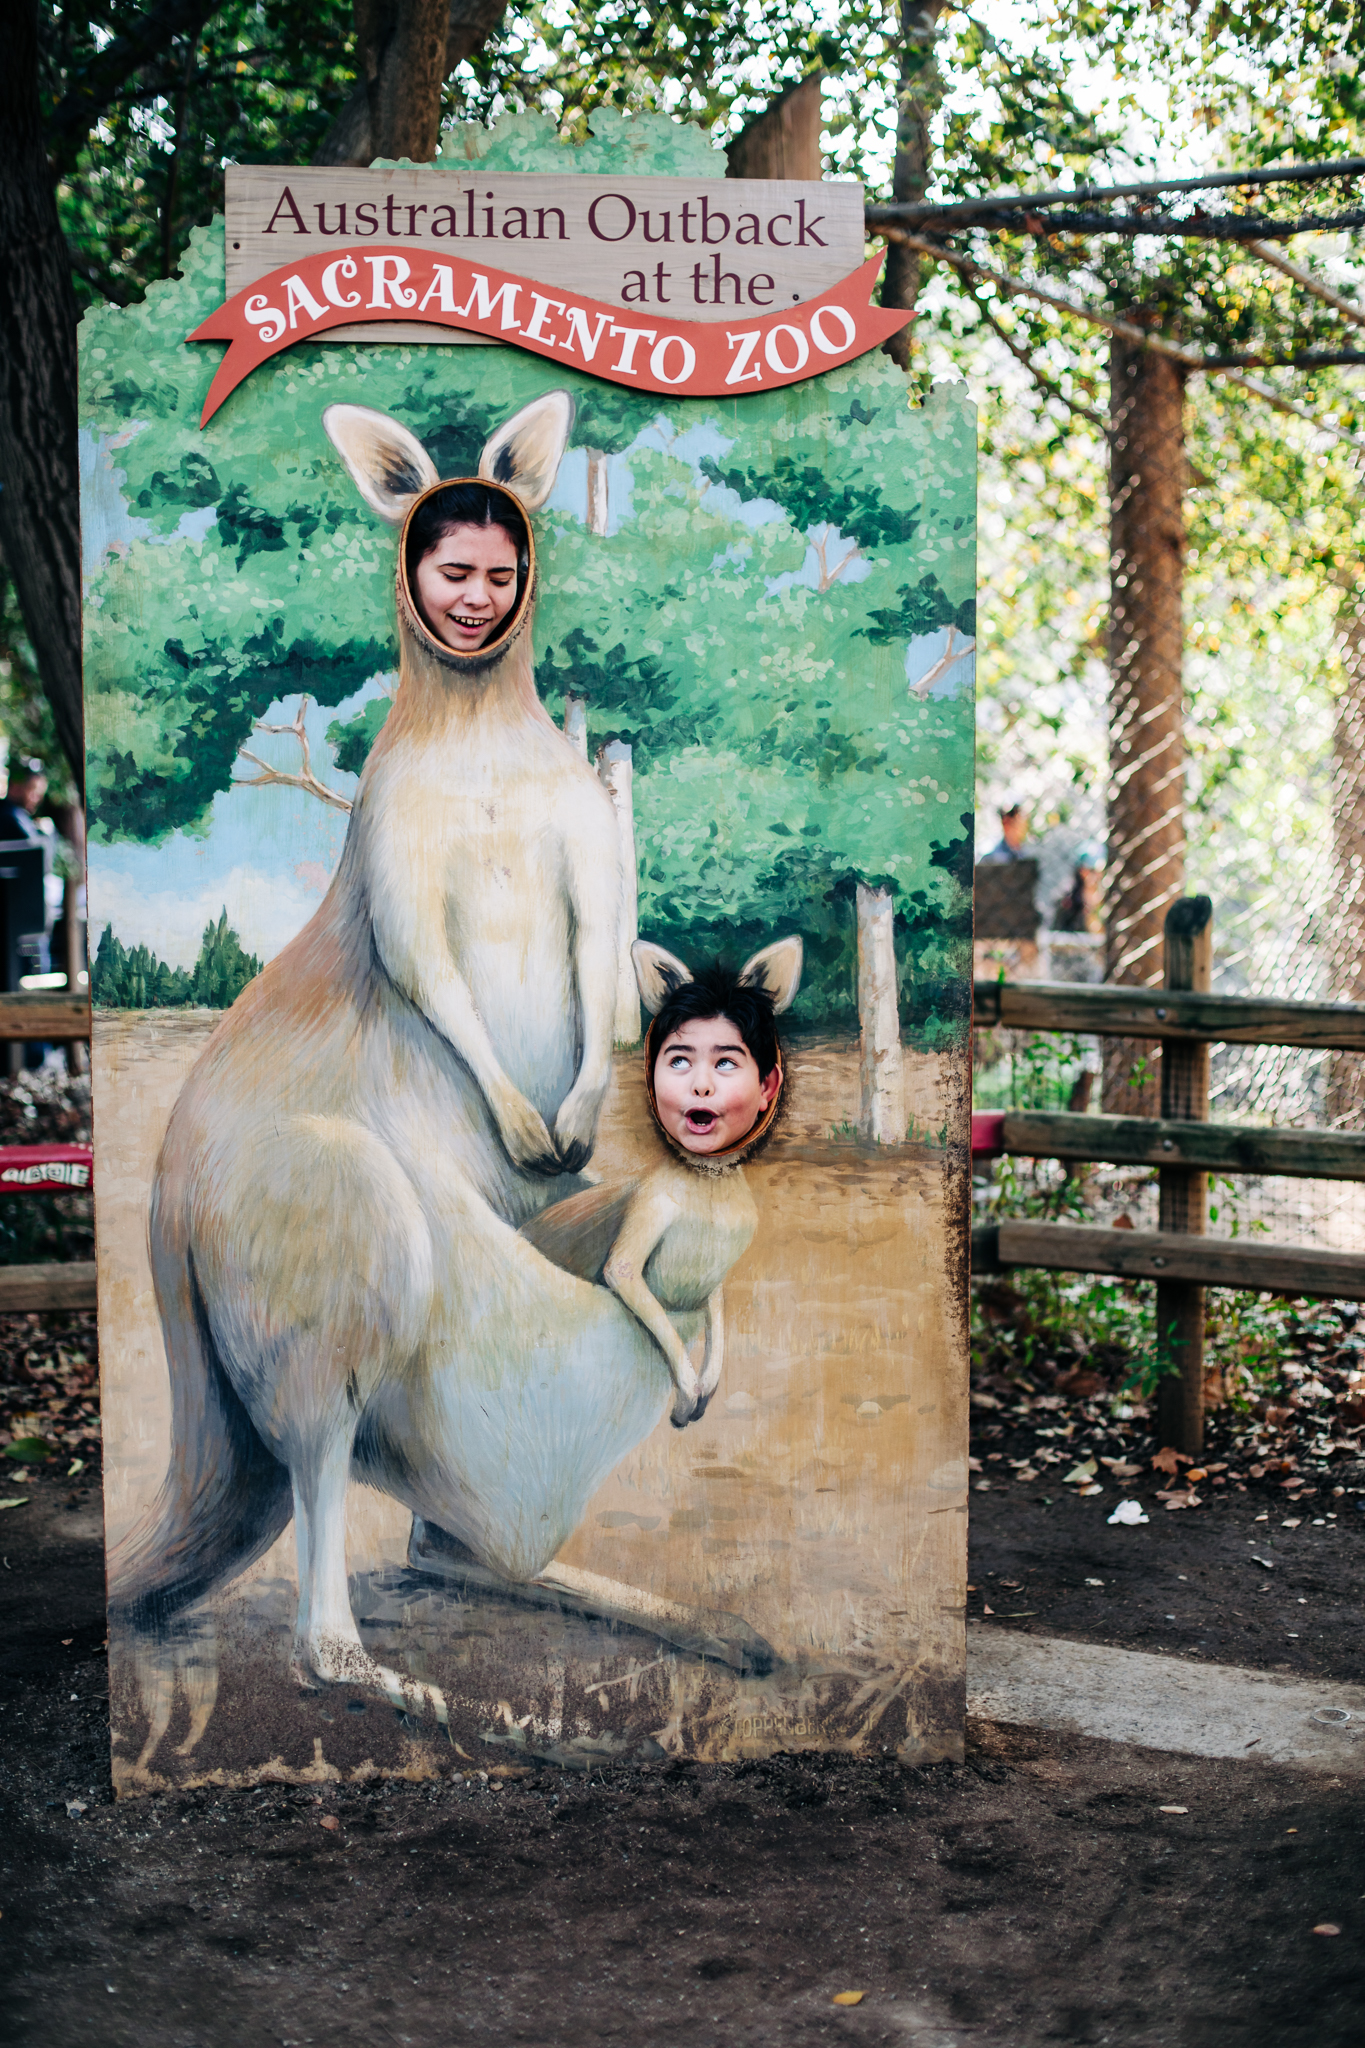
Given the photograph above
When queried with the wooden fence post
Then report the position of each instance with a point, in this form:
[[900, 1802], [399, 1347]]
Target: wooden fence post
[[1184, 1195], [576, 722], [882, 1073], [615, 768]]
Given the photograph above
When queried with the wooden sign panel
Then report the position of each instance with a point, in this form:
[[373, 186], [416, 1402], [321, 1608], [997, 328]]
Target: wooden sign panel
[[688, 247], [457, 1411]]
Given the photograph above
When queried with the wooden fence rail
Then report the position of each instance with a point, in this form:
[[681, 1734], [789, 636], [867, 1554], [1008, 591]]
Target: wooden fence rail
[[1109, 1012], [1166, 1255], [1159, 1141], [49, 1014]]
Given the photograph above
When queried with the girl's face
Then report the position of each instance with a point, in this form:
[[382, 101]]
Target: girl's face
[[467, 584], [707, 1085]]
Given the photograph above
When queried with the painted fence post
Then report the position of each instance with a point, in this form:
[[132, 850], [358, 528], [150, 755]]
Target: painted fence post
[[576, 722], [614, 766], [882, 1074]]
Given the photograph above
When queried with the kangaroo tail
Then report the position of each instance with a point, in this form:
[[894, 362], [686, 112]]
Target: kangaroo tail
[[225, 1497]]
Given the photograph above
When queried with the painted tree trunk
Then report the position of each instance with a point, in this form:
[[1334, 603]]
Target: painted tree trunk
[[882, 1076], [615, 767], [576, 722], [597, 491], [1146, 796]]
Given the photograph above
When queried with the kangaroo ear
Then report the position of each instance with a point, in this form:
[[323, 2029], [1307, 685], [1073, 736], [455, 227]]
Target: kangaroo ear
[[390, 465], [778, 969], [526, 452], [657, 974]]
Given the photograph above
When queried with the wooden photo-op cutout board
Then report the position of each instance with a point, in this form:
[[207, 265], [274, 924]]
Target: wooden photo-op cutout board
[[452, 1414]]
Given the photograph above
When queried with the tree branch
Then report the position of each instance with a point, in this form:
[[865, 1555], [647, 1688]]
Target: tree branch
[[276, 777], [96, 87], [1040, 377], [946, 660]]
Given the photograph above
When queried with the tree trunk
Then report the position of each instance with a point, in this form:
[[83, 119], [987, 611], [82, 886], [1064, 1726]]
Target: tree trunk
[[1346, 1075], [406, 50], [784, 140], [39, 511], [919, 91], [1146, 796]]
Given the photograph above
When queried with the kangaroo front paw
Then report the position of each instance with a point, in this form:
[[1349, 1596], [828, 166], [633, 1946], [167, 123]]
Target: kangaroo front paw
[[524, 1133], [576, 1128]]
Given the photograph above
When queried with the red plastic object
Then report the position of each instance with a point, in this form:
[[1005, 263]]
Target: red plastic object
[[45, 1169], [988, 1133]]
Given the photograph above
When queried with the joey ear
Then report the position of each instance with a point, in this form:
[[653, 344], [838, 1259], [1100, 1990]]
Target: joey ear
[[390, 466], [778, 969], [657, 974], [525, 453]]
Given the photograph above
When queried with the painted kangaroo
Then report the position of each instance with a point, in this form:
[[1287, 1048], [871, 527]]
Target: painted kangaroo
[[428, 1055], [342, 1286]]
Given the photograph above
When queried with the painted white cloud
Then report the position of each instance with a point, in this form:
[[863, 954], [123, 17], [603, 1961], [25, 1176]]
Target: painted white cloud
[[266, 910]]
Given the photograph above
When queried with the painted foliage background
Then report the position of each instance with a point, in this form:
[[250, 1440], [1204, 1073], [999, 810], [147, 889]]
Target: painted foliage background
[[775, 574], [772, 619]]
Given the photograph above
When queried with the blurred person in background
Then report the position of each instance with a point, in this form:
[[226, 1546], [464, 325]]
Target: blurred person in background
[[1079, 909], [1014, 824]]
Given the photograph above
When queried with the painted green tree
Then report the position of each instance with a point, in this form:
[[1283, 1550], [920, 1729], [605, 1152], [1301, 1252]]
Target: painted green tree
[[132, 978], [758, 622]]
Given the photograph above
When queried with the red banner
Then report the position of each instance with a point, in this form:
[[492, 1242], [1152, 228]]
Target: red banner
[[689, 358], [42, 1169]]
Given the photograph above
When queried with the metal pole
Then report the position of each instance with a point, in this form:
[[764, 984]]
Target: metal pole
[[1184, 1195]]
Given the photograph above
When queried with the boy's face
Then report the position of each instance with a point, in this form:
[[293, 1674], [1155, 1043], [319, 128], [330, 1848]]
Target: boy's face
[[708, 1087]]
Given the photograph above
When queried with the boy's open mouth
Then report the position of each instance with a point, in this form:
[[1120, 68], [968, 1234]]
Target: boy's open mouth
[[700, 1120]]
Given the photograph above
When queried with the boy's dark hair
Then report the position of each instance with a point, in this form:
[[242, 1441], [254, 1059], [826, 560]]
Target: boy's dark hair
[[717, 991], [468, 504]]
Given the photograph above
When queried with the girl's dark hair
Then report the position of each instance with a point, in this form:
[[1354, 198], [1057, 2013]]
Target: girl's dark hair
[[468, 504], [718, 992]]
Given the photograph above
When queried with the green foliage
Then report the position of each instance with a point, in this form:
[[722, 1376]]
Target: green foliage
[[132, 978], [260, 82]]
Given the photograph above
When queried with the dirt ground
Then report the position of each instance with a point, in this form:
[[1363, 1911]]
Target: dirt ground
[[1036, 1895]]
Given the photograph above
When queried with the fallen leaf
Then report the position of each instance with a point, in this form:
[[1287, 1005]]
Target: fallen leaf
[[330, 1821], [1262, 1561], [1327, 1927], [76, 1465], [1197, 1472], [1290, 1522], [1167, 1460], [1173, 1809], [985, 1609], [21, 1502], [1094, 1582], [1082, 1386], [857, 1997], [29, 1450], [1078, 1474], [67, 1641], [1127, 1515]]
